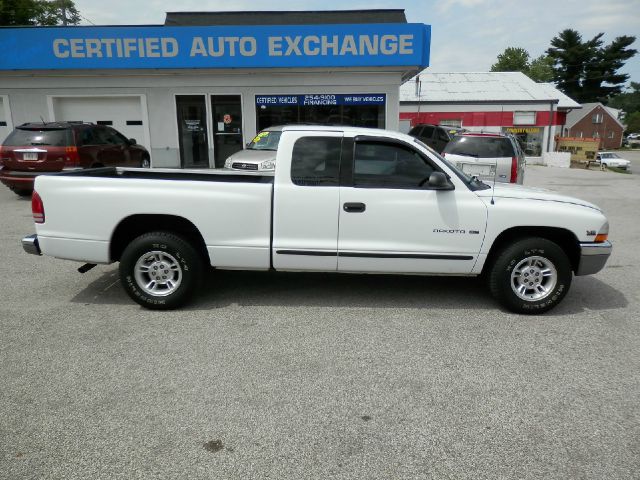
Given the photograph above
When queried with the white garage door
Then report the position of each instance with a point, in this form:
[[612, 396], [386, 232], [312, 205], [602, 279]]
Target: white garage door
[[5, 123], [122, 113]]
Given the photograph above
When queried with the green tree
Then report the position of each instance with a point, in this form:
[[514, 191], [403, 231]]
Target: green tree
[[628, 102], [541, 69], [513, 59], [587, 70], [38, 12], [516, 59], [633, 122]]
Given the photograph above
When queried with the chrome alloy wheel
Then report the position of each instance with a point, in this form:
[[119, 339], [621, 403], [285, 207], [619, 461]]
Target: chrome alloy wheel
[[534, 278], [158, 273]]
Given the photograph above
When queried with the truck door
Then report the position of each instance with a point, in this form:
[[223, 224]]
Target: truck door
[[306, 201], [390, 221]]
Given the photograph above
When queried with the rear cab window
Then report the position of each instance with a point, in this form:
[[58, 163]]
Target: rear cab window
[[480, 146], [22, 137], [315, 161]]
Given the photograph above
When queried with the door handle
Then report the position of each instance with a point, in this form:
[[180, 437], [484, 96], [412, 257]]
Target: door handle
[[354, 207]]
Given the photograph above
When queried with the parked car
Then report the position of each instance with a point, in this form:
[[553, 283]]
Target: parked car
[[612, 159], [36, 148], [260, 154], [342, 199], [435, 136], [487, 155]]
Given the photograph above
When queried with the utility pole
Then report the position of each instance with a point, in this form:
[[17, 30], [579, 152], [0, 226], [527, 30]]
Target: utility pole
[[64, 12]]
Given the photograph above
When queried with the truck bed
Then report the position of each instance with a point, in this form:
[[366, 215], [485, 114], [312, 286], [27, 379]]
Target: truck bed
[[84, 208]]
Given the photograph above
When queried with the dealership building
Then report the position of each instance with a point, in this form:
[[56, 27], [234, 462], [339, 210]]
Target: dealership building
[[508, 102], [198, 88]]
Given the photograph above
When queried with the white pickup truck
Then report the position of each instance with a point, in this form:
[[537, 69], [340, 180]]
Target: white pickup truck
[[341, 199]]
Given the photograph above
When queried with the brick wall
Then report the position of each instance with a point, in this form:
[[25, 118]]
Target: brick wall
[[586, 128]]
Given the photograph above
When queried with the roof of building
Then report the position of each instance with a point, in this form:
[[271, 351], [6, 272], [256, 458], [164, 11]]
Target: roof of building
[[575, 116], [475, 87], [286, 17]]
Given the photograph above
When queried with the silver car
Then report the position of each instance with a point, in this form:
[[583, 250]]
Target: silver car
[[260, 154], [488, 156]]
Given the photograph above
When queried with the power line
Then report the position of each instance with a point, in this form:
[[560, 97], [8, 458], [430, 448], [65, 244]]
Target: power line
[[85, 18]]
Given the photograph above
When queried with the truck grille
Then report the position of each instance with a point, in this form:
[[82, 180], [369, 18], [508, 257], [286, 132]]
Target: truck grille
[[245, 166]]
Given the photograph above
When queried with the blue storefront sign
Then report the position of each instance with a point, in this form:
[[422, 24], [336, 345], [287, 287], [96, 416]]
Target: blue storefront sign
[[279, 46], [321, 99]]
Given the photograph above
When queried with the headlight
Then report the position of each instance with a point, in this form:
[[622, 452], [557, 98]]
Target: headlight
[[268, 165], [228, 163]]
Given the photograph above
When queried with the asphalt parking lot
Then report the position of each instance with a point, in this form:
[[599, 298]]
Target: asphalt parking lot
[[294, 376]]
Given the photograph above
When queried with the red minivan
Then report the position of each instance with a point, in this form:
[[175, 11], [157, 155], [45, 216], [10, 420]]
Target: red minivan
[[36, 148]]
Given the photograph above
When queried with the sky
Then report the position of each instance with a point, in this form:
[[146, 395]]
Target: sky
[[467, 35]]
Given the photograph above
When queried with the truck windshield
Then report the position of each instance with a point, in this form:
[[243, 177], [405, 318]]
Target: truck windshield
[[265, 140], [472, 182]]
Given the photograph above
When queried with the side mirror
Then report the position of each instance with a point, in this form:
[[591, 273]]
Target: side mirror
[[132, 141], [439, 181]]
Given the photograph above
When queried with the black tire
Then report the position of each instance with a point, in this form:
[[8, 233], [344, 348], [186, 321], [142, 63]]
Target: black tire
[[23, 192], [178, 259], [539, 253]]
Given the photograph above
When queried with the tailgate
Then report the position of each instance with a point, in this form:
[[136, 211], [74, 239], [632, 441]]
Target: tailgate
[[36, 150], [482, 167]]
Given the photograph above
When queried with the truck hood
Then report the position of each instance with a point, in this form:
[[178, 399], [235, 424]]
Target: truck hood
[[508, 190], [253, 156]]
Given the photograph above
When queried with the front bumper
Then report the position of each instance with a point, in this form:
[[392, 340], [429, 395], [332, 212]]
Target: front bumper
[[593, 256], [30, 244]]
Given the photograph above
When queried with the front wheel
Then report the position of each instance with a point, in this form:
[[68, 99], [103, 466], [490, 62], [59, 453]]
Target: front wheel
[[160, 270], [530, 276]]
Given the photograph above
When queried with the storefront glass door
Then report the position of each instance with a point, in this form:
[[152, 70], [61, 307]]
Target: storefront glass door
[[227, 126], [192, 131]]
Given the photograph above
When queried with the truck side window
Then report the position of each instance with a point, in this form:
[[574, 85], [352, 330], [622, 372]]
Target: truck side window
[[316, 161], [427, 132], [387, 165], [442, 135]]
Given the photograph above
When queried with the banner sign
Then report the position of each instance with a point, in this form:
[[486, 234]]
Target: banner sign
[[265, 46], [322, 99]]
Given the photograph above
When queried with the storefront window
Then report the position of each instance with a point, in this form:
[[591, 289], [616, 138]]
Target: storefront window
[[530, 139], [451, 123], [524, 118], [361, 110]]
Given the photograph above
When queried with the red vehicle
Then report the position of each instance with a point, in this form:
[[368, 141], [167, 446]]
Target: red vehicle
[[36, 148]]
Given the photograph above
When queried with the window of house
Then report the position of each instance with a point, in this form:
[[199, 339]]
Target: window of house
[[451, 123], [611, 134], [597, 118], [316, 161], [596, 135], [524, 118]]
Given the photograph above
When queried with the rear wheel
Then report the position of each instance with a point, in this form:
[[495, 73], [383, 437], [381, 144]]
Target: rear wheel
[[530, 276], [160, 270], [23, 192]]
